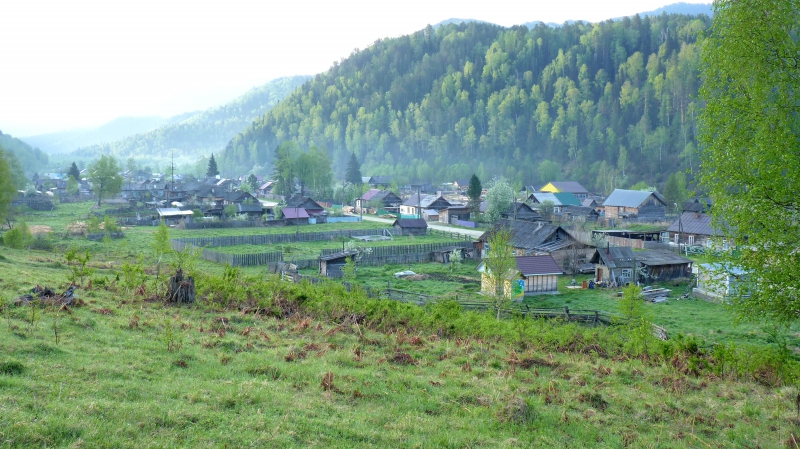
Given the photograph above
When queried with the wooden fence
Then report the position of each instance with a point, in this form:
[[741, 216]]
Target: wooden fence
[[455, 235], [232, 224], [234, 260], [268, 239], [397, 250]]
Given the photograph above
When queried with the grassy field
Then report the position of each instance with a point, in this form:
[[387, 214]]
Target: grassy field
[[286, 365], [127, 373]]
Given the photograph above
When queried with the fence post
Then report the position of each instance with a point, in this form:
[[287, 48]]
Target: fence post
[[566, 309]]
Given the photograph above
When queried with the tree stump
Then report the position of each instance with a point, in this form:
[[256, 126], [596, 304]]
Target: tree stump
[[181, 290]]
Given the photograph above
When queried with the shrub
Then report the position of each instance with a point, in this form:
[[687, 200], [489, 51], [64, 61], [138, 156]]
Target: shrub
[[19, 237], [42, 242]]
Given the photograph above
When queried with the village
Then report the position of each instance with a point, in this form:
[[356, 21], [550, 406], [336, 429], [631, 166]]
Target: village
[[427, 242]]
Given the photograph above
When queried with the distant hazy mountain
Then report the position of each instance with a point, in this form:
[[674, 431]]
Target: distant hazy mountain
[[200, 133], [119, 128], [675, 8], [682, 8], [31, 159]]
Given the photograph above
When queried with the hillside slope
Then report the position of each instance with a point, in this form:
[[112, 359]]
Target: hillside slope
[[119, 128], [31, 159], [607, 104], [203, 132]]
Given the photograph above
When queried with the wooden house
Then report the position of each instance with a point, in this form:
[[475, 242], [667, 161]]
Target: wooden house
[[618, 265], [533, 238], [311, 207], [641, 205], [254, 211], [382, 199], [380, 182], [521, 211], [295, 215], [693, 228], [537, 274], [566, 187], [410, 226], [452, 214], [331, 265], [717, 282], [415, 204], [584, 213], [558, 200]]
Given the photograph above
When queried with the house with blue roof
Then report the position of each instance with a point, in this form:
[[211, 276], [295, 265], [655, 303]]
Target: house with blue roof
[[641, 205]]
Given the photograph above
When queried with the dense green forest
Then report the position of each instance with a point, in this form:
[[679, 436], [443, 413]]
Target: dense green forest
[[30, 159], [201, 133], [608, 104]]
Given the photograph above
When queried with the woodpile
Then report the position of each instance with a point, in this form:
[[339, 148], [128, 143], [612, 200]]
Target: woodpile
[[181, 290]]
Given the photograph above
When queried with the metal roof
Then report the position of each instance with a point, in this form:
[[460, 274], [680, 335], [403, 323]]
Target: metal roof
[[538, 265], [630, 198], [693, 223], [410, 223], [567, 186], [173, 212], [294, 212], [533, 236]]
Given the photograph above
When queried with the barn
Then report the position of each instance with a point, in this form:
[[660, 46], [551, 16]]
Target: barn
[[410, 226]]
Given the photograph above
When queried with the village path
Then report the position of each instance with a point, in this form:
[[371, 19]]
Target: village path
[[474, 233]]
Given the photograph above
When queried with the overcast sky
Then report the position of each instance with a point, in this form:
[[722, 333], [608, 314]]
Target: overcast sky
[[81, 63]]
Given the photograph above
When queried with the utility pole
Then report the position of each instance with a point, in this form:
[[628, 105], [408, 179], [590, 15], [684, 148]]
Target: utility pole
[[680, 229]]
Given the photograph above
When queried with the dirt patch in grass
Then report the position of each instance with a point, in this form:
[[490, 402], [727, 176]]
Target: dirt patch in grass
[[401, 358]]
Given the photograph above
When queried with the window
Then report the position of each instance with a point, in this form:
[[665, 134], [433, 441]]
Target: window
[[627, 272], [677, 239], [691, 240]]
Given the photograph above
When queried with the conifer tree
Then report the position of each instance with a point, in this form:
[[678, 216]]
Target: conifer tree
[[353, 175], [74, 172], [212, 170]]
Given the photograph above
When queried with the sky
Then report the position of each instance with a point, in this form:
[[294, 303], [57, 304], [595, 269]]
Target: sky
[[81, 63]]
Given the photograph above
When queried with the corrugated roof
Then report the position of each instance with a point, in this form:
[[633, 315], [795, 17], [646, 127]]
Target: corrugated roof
[[630, 198], [410, 223], [624, 257], [538, 265], [532, 236], [588, 202], [541, 197], [294, 212], [693, 223], [567, 199], [339, 255], [568, 186], [370, 194], [658, 258]]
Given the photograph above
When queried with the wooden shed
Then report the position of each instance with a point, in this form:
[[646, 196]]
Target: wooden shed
[[410, 226], [618, 265], [332, 264], [538, 274]]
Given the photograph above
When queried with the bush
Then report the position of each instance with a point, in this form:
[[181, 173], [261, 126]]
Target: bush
[[42, 242], [19, 237]]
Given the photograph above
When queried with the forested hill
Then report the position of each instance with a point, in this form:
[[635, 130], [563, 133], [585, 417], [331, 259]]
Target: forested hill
[[30, 159], [204, 132], [607, 104]]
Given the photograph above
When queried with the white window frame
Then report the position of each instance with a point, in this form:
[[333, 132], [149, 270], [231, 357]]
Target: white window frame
[[627, 272], [691, 240]]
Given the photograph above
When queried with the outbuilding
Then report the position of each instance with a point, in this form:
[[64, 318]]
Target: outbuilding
[[331, 265], [410, 226]]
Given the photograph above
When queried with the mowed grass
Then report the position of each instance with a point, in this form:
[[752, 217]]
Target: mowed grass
[[128, 373]]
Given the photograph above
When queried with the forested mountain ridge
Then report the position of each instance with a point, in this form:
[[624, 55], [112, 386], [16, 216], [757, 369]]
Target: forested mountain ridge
[[63, 142], [607, 104], [30, 159], [201, 133]]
